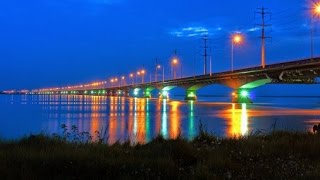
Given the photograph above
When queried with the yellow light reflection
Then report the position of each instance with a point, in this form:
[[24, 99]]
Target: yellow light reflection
[[112, 127], [95, 121], [139, 127], [244, 120], [238, 126], [175, 120]]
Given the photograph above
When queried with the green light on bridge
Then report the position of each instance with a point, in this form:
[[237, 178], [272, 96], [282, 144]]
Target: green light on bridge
[[191, 95], [147, 93], [244, 93]]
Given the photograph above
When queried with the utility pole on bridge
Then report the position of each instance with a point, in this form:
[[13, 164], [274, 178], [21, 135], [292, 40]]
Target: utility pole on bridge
[[262, 11], [205, 55]]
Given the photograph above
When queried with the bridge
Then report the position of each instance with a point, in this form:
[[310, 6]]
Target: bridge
[[303, 71]]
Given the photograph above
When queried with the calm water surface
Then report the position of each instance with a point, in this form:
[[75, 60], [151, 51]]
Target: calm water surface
[[142, 119]]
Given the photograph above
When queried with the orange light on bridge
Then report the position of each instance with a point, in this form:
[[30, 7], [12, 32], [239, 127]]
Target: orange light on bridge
[[143, 71], [131, 75], [316, 9], [237, 38], [175, 61]]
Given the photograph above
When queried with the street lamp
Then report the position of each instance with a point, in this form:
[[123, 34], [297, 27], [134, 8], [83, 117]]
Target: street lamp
[[156, 74], [316, 8], [112, 82], [174, 64], [132, 78], [143, 72], [123, 80], [236, 39], [315, 13], [138, 74]]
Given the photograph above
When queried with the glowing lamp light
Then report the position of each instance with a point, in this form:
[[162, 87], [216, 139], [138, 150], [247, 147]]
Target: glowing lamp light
[[237, 38], [131, 75], [175, 61], [316, 9], [158, 67]]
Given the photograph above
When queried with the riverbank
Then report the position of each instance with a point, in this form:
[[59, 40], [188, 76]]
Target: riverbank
[[281, 154]]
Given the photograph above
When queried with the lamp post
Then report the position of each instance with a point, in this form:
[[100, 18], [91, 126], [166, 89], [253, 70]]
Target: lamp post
[[123, 82], [156, 74], [132, 78], [116, 80], [112, 81], [138, 74], [236, 39], [174, 63], [315, 13], [143, 72]]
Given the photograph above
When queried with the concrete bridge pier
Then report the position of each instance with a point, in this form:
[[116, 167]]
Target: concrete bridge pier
[[164, 94], [135, 92], [191, 95], [241, 96], [147, 92], [126, 94]]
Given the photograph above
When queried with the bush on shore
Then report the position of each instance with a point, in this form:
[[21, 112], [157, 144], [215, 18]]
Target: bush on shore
[[282, 155]]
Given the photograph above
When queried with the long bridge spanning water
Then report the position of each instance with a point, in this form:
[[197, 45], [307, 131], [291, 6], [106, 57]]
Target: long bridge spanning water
[[241, 81]]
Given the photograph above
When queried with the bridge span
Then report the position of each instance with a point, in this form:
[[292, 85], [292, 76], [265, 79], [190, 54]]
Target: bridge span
[[241, 81]]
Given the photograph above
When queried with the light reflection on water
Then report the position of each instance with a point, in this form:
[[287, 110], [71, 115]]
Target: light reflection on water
[[140, 120]]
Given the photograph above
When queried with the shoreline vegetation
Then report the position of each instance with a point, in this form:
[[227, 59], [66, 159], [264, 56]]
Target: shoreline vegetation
[[73, 155]]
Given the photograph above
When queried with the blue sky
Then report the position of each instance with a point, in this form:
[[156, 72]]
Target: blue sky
[[48, 43]]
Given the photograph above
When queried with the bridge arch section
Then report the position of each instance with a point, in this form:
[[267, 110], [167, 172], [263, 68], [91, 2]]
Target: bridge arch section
[[242, 87]]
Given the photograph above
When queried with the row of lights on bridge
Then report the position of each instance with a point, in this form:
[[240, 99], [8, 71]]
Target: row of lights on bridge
[[119, 81], [236, 39]]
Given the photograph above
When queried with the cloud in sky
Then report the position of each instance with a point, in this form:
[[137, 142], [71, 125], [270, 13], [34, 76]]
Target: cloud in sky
[[193, 31]]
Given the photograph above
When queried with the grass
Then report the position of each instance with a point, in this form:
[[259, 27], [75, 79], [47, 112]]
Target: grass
[[280, 155]]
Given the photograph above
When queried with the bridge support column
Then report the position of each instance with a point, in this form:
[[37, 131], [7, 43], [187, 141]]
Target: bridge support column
[[119, 92], [126, 94], [191, 95], [164, 94], [241, 96], [135, 92], [147, 93]]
